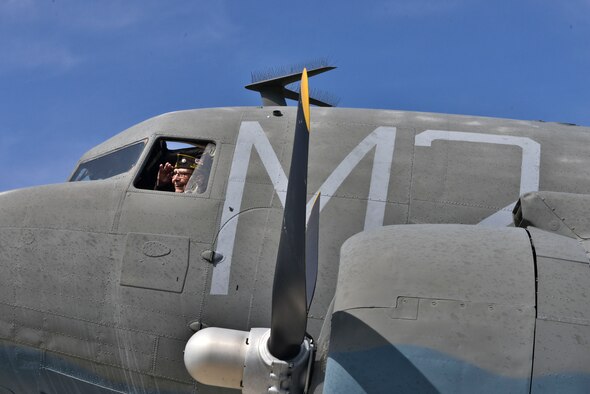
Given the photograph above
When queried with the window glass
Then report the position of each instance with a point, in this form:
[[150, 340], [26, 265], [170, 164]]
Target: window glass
[[179, 166], [109, 165]]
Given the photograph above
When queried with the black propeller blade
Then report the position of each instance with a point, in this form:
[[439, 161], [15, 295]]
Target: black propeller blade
[[311, 249], [289, 306]]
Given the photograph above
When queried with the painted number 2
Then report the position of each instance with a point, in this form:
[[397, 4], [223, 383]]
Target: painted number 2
[[529, 171]]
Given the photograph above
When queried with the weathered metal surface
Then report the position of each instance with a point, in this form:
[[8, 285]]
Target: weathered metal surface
[[562, 358], [158, 262], [562, 335], [549, 244], [562, 213], [563, 290]]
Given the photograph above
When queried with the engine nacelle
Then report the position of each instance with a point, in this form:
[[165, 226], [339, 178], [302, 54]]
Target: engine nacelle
[[433, 308]]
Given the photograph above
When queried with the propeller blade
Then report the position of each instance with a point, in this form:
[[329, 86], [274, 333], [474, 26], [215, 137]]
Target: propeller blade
[[311, 249], [289, 307]]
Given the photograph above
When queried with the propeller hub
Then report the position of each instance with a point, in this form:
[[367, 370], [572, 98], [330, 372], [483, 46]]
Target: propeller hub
[[242, 360]]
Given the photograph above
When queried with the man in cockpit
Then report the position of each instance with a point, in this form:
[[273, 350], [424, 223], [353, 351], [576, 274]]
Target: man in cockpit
[[174, 178]]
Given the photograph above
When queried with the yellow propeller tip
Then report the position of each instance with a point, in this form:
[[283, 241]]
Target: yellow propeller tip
[[304, 97]]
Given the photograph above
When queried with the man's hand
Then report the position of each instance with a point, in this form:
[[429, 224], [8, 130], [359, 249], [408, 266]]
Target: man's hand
[[165, 174]]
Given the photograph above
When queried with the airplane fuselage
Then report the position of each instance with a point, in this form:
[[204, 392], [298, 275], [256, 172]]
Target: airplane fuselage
[[104, 281]]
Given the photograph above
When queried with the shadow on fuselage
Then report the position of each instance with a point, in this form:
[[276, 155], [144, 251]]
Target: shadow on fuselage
[[361, 360]]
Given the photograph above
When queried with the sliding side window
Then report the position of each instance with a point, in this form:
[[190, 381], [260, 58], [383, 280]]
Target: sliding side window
[[177, 166]]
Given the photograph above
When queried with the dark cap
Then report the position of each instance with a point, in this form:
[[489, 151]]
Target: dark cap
[[186, 161]]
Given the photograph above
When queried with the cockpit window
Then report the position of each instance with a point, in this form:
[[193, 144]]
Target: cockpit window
[[109, 165], [180, 166]]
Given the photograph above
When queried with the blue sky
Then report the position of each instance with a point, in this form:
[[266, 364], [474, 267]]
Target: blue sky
[[74, 73]]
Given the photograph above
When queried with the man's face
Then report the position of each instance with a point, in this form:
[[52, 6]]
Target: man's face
[[180, 177]]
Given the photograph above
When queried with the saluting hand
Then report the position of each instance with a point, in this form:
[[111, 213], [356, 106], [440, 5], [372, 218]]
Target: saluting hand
[[165, 174]]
